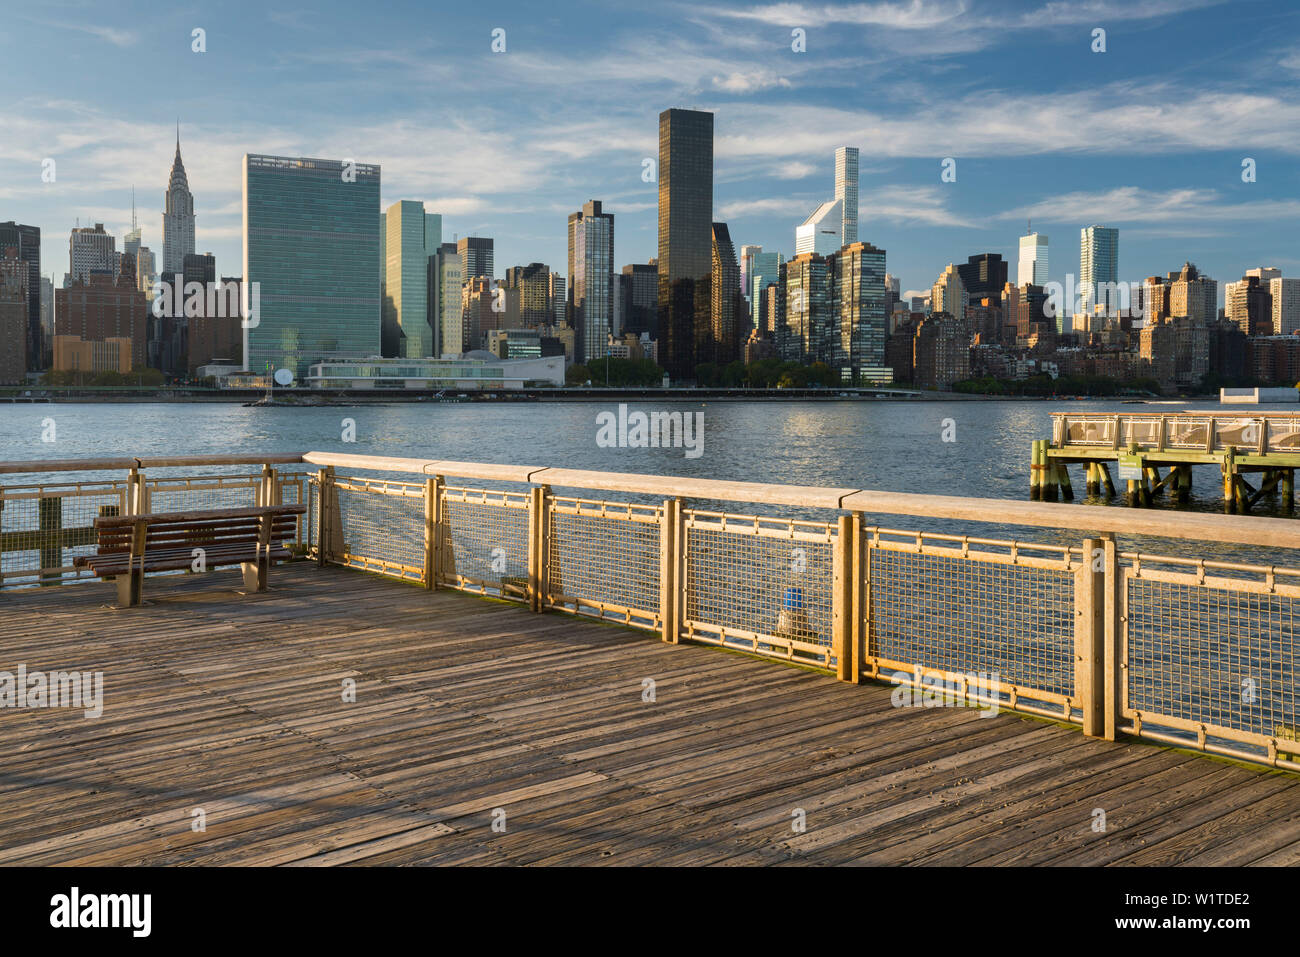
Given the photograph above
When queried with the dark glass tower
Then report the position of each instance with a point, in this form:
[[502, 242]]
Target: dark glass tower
[[27, 240], [685, 239], [983, 276]]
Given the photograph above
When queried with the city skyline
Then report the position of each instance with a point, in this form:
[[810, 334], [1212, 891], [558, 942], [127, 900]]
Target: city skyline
[[1173, 185]]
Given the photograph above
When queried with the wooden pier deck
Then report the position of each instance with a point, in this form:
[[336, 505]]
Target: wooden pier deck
[[233, 705]]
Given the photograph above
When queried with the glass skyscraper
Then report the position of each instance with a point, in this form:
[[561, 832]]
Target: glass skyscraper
[[411, 237], [685, 239], [1098, 263], [591, 280], [846, 191], [311, 244]]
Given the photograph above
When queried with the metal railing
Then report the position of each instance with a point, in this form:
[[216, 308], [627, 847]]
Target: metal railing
[[1198, 652], [1189, 431]]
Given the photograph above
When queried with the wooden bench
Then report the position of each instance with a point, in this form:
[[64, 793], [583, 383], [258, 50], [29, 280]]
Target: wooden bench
[[130, 545]]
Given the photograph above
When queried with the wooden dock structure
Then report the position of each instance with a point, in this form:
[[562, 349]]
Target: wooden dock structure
[[1140, 445], [472, 711]]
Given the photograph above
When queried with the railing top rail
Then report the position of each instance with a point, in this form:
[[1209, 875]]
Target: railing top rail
[[1236, 529], [155, 462], [1186, 413]]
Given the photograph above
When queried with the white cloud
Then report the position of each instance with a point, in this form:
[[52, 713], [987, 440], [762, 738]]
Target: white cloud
[[1132, 204], [749, 81]]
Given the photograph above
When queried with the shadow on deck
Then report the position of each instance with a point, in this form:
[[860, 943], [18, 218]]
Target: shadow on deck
[[470, 712]]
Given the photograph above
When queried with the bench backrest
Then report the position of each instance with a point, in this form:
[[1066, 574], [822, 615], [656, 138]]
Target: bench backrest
[[211, 529]]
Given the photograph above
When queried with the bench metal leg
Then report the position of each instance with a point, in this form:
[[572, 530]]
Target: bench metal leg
[[255, 574], [130, 587]]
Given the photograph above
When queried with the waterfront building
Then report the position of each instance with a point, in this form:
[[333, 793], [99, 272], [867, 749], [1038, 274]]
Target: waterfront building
[[27, 240], [591, 279], [857, 274], [515, 343], [808, 318], [477, 371], [941, 352], [102, 307], [178, 216], [13, 322], [685, 257], [311, 246]]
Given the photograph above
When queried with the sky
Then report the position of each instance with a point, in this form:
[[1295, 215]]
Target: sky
[[1148, 136]]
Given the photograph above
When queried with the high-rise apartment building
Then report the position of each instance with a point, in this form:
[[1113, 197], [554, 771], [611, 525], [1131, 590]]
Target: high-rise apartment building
[[178, 216], [808, 313], [685, 257], [103, 307], [1032, 267], [13, 327], [311, 250], [559, 301], [846, 192], [1286, 305], [948, 294], [1099, 267], [857, 275], [591, 279], [533, 283]]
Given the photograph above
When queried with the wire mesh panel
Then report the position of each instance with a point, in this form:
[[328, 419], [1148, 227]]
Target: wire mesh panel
[[43, 528], [200, 493], [484, 545], [1000, 612], [379, 526], [603, 559], [1213, 653], [760, 584]]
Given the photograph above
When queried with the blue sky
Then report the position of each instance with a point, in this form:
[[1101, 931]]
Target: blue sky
[[1148, 136]]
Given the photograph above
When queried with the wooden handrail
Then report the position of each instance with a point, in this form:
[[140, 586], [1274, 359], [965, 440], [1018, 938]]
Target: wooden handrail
[[173, 461]]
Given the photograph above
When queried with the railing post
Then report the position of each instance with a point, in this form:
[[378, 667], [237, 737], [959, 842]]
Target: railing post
[[432, 530], [325, 516], [1113, 640], [539, 535], [135, 493], [268, 489], [1089, 637], [846, 599], [672, 542]]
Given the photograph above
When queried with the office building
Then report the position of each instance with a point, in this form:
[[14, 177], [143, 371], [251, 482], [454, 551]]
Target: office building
[[475, 257], [92, 249], [857, 275], [747, 254], [983, 276], [685, 257], [808, 317], [13, 324], [533, 284], [104, 307], [591, 279], [728, 306], [412, 236], [765, 271], [311, 250], [948, 294], [1286, 305], [1032, 268], [445, 282], [640, 290], [820, 233], [178, 216]]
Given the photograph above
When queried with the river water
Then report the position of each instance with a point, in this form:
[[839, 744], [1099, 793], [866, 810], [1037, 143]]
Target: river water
[[888, 445]]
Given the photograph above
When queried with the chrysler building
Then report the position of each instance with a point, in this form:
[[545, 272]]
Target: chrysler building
[[178, 217]]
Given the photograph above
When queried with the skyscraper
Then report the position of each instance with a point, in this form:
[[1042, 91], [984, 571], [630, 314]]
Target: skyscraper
[[534, 285], [591, 279], [820, 233], [727, 308], [1032, 268], [857, 276], [27, 240], [747, 254], [764, 271], [983, 276], [178, 217], [475, 257], [641, 299], [445, 281], [93, 249], [949, 295], [846, 191], [808, 317], [311, 250], [685, 238], [1099, 266], [412, 236]]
